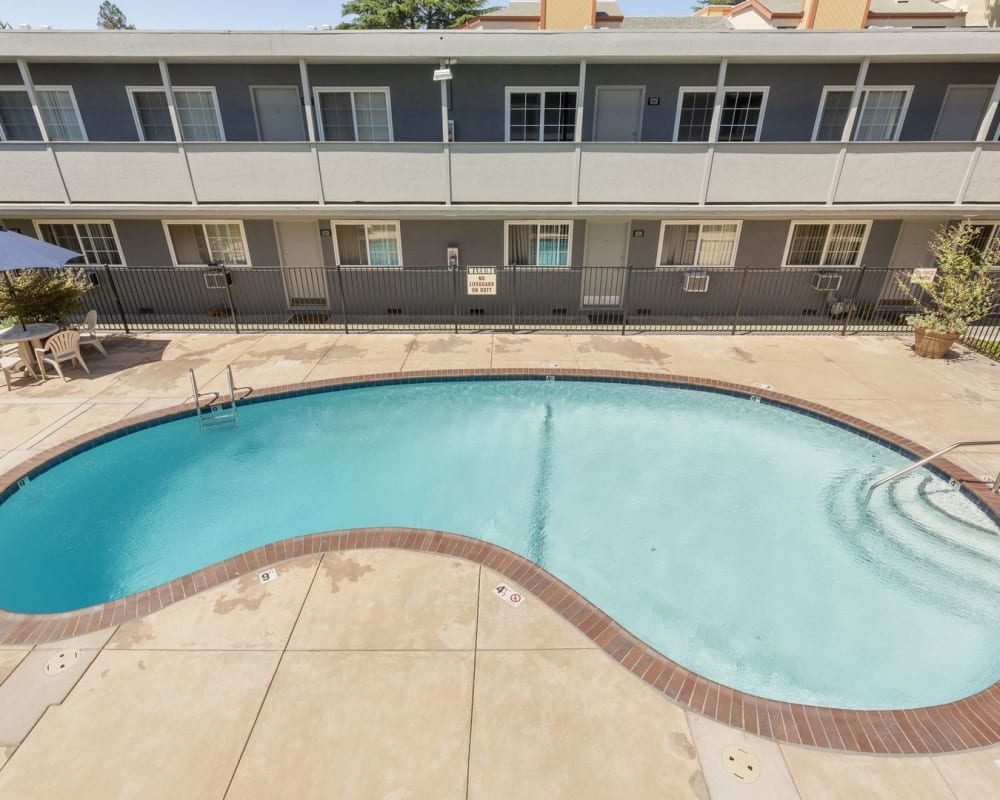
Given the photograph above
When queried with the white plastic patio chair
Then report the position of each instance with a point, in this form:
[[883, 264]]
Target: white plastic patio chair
[[88, 332], [11, 364], [64, 346]]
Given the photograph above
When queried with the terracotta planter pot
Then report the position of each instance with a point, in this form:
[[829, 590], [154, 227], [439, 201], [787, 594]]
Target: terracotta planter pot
[[931, 344]]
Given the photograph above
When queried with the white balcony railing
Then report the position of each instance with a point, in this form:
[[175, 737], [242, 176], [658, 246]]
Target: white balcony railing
[[431, 173]]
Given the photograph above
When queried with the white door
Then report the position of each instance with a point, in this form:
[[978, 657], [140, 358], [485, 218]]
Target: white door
[[279, 114], [961, 113], [604, 257], [618, 113], [302, 265]]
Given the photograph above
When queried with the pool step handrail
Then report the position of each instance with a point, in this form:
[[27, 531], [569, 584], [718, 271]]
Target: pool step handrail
[[983, 442], [210, 414]]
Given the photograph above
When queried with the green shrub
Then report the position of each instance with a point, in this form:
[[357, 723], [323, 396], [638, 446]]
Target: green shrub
[[43, 295]]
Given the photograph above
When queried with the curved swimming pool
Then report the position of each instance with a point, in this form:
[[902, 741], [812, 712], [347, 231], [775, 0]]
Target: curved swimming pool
[[730, 535]]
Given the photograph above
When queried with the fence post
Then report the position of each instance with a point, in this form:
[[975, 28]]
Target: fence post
[[513, 298], [852, 303], [118, 300], [454, 293], [229, 294], [739, 300], [628, 276], [343, 297]]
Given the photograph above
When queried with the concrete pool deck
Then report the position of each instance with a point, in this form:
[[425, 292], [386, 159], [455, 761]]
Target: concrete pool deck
[[445, 691]]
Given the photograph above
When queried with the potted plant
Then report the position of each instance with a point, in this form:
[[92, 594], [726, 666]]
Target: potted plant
[[957, 292]]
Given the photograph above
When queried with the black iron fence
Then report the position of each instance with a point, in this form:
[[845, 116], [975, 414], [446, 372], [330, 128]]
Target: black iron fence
[[510, 298]]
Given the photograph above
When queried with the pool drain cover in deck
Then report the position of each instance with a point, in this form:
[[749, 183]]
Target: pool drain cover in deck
[[61, 661], [741, 763]]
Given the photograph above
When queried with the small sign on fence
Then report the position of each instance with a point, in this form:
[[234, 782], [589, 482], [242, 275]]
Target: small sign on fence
[[923, 275], [481, 280]]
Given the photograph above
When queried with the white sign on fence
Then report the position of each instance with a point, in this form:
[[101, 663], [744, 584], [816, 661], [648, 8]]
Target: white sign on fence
[[508, 595], [923, 275], [481, 280]]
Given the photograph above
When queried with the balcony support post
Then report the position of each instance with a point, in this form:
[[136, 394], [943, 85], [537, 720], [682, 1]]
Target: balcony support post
[[581, 91], [307, 104], [29, 84], [852, 114], [990, 114], [445, 89], [168, 90]]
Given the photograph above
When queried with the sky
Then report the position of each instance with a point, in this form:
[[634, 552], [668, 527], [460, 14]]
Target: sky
[[235, 14]]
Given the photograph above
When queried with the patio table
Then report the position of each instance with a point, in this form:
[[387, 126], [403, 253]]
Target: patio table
[[28, 339]]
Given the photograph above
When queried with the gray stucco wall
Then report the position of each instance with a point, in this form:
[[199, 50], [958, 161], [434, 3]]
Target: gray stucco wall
[[143, 242], [478, 96], [881, 243], [232, 84], [930, 83], [101, 95], [414, 97]]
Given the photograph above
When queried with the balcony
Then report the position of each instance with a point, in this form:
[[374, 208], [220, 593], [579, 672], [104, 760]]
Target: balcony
[[592, 173]]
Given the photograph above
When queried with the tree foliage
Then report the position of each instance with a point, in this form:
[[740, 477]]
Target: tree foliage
[[414, 14], [43, 295], [702, 3], [962, 291], [4, 25], [112, 18]]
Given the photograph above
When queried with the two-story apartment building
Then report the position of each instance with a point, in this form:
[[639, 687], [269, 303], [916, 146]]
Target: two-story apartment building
[[659, 151]]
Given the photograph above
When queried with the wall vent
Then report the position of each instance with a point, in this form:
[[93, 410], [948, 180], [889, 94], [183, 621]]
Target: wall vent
[[393, 312], [477, 312]]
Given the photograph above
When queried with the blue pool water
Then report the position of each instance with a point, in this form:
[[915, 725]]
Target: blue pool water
[[730, 535]]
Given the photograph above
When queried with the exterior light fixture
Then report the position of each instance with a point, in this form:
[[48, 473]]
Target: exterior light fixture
[[443, 74]]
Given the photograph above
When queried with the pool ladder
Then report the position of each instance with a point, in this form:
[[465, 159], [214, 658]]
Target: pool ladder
[[217, 414], [995, 488]]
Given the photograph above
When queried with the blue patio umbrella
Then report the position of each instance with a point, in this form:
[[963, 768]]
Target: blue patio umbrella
[[23, 252]]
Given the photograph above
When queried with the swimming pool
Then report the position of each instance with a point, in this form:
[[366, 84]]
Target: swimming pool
[[728, 534]]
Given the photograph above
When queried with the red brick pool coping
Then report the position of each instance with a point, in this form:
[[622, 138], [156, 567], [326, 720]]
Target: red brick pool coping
[[970, 723]]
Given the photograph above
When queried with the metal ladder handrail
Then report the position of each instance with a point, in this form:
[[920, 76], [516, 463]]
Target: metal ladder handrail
[[231, 414], [994, 488]]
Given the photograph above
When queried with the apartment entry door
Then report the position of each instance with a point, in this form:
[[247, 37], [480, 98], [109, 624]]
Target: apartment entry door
[[604, 259], [961, 113], [618, 113], [279, 114], [302, 264]]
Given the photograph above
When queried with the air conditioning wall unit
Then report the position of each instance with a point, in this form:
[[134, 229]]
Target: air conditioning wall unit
[[696, 281], [827, 281]]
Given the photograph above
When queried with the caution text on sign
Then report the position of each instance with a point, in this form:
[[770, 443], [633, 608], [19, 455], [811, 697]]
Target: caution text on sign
[[508, 595], [481, 280]]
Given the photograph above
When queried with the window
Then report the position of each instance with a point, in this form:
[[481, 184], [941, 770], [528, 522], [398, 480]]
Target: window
[[368, 244], [545, 244], [354, 115], [56, 104], [825, 244], [198, 114], [541, 114], [986, 236], [17, 120], [151, 112], [739, 118], [60, 114], [709, 244], [880, 113], [98, 241], [199, 243]]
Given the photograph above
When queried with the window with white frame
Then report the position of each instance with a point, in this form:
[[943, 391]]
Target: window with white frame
[[56, 104], [825, 244], [987, 234], [739, 118], [354, 115], [198, 114], [98, 241], [17, 120], [881, 111], [707, 244], [368, 244], [545, 244], [539, 114], [200, 243], [151, 113]]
